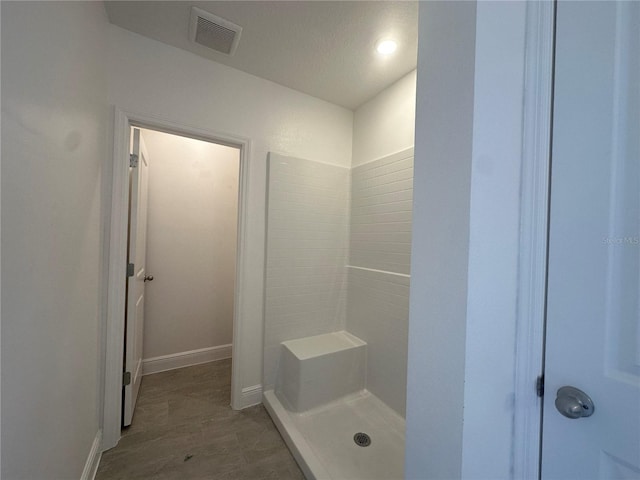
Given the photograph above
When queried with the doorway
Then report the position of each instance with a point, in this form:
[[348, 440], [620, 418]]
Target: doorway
[[118, 246], [183, 211]]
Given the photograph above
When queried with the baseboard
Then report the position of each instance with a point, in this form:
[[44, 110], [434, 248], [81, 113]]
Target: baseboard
[[251, 396], [185, 359], [93, 460]]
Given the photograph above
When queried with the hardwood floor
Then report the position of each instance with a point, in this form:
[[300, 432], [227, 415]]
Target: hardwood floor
[[183, 428]]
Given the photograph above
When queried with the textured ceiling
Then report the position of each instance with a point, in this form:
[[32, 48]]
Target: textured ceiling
[[322, 48]]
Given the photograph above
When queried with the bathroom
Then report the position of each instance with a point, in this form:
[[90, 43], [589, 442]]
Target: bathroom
[[363, 153], [480, 229]]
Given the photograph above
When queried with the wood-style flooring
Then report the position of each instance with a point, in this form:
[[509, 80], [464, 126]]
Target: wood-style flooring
[[184, 428]]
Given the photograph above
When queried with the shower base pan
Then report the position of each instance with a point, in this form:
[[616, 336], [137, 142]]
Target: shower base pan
[[322, 439]]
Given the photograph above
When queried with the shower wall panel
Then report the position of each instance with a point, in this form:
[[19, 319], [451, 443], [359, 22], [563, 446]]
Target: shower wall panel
[[378, 277], [306, 253], [382, 194]]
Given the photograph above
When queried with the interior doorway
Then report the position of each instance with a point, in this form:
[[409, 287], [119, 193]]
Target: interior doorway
[[183, 215], [115, 375]]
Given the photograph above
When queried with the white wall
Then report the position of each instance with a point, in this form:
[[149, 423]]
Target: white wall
[[54, 132], [464, 258], [150, 78], [439, 256], [191, 244], [386, 123], [494, 240]]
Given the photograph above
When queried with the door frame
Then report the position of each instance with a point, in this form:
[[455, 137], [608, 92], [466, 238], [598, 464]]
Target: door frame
[[533, 243], [112, 365]]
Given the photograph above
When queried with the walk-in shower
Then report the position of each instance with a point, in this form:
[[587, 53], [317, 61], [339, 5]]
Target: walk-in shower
[[336, 312]]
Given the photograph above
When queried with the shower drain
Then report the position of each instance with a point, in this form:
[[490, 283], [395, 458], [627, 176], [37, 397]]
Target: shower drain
[[362, 439]]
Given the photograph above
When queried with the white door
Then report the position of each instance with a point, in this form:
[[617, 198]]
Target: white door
[[138, 187], [593, 327]]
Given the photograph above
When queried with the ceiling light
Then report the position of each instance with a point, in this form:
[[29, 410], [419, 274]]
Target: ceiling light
[[386, 46]]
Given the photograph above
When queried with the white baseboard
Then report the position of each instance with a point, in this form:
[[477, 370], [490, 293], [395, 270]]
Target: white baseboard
[[185, 359], [251, 396], [93, 460]]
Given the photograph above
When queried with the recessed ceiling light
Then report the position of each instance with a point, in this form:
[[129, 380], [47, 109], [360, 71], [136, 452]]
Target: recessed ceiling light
[[386, 46]]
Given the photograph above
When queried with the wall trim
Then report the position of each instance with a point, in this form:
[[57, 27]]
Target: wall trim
[[93, 460], [251, 396], [189, 358], [112, 364], [384, 272], [532, 272]]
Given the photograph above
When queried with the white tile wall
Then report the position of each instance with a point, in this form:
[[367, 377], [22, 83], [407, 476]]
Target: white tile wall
[[306, 253], [322, 218], [378, 312], [381, 196], [378, 276]]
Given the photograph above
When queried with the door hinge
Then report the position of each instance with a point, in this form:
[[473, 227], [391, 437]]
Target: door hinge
[[126, 378], [133, 160], [130, 269], [540, 386]]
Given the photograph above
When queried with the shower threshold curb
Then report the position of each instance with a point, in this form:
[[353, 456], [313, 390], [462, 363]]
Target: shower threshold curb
[[307, 460]]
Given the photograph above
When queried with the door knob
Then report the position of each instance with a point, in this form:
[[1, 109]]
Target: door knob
[[574, 403], [148, 278]]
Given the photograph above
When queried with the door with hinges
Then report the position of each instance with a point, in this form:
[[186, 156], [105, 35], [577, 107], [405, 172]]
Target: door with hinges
[[591, 418], [136, 273]]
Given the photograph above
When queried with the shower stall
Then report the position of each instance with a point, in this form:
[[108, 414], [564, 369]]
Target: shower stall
[[336, 312]]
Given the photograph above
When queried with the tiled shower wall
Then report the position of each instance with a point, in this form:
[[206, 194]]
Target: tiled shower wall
[[306, 253], [338, 256], [378, 271]]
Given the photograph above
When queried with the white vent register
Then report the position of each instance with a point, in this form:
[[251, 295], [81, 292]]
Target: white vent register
[[214, 32]]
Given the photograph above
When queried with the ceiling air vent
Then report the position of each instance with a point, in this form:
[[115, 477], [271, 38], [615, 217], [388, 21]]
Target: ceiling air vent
[[214, 32]]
